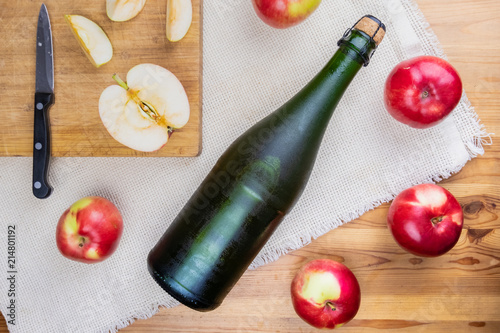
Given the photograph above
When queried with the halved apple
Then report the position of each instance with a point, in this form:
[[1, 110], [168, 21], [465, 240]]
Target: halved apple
[[93, 40], [123, 10], [179, 18], [143, 112]]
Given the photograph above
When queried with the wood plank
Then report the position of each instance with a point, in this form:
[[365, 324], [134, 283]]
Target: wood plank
[[76, 127], [458, 292]]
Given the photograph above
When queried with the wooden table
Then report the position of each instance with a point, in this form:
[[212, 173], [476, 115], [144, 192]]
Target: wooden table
[[458, 292]]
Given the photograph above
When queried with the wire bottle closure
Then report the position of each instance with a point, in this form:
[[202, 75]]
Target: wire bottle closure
[[363, 52]]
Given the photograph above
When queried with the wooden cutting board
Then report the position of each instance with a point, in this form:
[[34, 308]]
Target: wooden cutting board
[[76, 128]]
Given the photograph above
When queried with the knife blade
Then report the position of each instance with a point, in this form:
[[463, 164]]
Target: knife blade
[[44, 98]]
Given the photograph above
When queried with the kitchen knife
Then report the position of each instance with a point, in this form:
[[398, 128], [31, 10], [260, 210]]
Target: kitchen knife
[[44, 98]]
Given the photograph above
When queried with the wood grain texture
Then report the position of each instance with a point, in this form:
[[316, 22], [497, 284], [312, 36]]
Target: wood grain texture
[[76, 127], [458, 292]]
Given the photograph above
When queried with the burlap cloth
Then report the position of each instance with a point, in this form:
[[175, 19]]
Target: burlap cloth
[[249, 70]]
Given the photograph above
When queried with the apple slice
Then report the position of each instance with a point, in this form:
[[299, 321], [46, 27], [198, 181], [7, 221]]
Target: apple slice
[[123, 10], [143, 112], [93, 40], [179, 18]]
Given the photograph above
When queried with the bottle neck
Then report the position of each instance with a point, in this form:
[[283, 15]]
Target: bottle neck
[[324, 91]]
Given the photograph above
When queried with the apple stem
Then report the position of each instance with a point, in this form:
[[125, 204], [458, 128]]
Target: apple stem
[[436, 220], [120, 82], [331, 305]]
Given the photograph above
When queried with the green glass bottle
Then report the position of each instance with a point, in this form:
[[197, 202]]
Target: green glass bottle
[[255, 183]]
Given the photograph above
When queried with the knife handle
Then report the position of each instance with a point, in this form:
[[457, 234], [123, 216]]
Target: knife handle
[[41, 145]]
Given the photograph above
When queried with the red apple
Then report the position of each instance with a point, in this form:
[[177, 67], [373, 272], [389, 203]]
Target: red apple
[[90, 230], [325, 294], [422, 92], [426, 220], [284, 13]]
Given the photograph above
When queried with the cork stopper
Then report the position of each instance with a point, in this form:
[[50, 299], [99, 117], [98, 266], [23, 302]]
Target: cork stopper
[[373, 27]]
